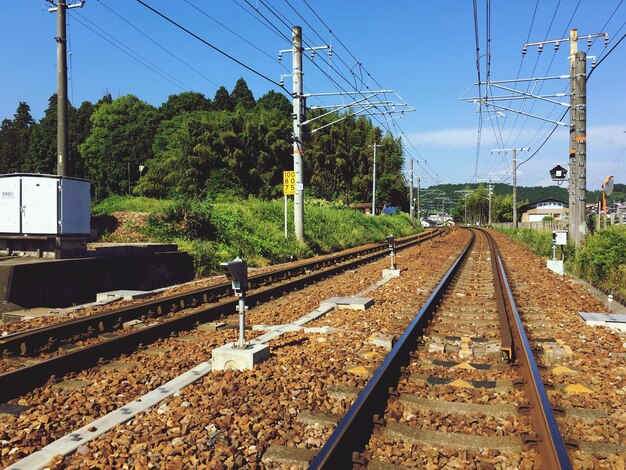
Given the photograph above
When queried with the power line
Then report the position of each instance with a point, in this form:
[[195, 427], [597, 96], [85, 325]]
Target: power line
[[361, 68], [228, 29], [565, 113], [137, 57], [158, 44], [480, 106], [282, 19], [215, 48]]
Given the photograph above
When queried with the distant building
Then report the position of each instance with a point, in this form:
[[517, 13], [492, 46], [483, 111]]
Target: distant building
[[362, 207], [536, 211]]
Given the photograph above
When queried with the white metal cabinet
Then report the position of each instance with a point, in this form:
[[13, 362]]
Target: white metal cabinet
[[39, 205], [33, 204], [10, 205]]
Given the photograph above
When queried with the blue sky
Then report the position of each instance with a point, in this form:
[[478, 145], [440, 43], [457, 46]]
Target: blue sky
[[424, 50]]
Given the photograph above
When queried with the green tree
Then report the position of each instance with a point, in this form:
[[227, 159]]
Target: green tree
[[222, 100], [79, 129], [242, 96], [42, 155], [274, 100], [204, 154], [15, 139], [186, 102], [120, 140], [339, 160]]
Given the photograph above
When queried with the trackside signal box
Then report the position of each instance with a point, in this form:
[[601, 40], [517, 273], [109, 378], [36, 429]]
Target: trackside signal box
[[559, 237]]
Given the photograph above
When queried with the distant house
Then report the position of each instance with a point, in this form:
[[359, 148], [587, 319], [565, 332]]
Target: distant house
[[362, 207], [536, 211]]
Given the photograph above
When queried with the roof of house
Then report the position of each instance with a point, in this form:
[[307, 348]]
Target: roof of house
[[533, 205]]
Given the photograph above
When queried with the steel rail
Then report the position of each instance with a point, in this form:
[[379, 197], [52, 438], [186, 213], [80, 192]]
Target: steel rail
[[550, 442], [355, 428], [506, 336], [17, 382], [52, 336]]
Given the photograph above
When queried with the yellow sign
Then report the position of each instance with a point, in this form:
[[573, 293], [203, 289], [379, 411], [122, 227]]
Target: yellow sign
[[289, 183]]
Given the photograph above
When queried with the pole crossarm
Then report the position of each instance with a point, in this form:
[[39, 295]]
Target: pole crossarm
[[371, 93], [377, 103], [487, 101], [476, 99], [312, 49], [531, 95], [556, 42], [560, 123], [80, 4], [365, 109], [337, 108]]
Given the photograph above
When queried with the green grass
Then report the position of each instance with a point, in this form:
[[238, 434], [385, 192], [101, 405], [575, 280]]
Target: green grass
[[600, 260], [128, 204], [538, 242], [253, 229]]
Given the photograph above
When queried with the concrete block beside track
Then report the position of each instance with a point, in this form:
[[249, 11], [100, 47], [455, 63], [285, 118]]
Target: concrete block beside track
[[61, 283]]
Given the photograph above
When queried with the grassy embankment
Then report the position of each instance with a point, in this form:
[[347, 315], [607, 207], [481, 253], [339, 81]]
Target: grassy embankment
[[252, 229], [601, 260]]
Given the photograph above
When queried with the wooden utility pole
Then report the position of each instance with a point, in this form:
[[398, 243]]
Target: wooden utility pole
[[61, 38]]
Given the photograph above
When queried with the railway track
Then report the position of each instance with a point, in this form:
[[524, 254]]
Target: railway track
[[462, 376], [106, 337], [459, 402]]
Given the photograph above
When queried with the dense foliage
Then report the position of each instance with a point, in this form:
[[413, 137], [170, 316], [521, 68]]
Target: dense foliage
[[602, 260], [253, 229], [193, 146]]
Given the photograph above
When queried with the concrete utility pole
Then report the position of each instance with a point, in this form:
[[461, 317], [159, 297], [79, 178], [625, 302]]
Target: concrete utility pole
[[374, 180], [514, 150], [418, 200], [61, 39], [490, 191], [578, 148], [298, 118], [577, 189], [411, 203]]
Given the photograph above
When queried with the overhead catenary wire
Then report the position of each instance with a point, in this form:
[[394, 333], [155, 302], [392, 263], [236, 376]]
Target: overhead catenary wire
[[555, 106], [480, 116], [362, 68], [588, 76], [285, 22]]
